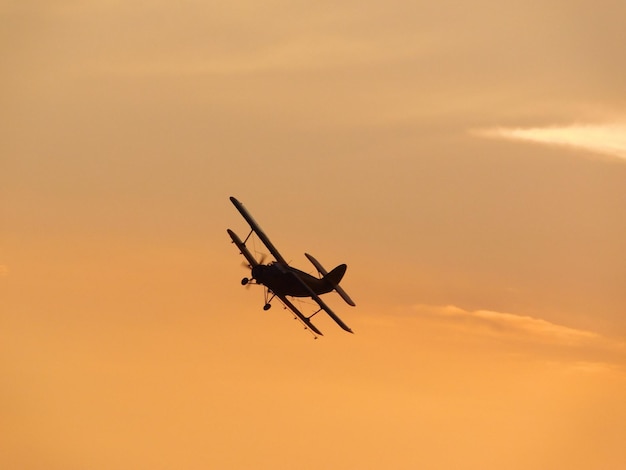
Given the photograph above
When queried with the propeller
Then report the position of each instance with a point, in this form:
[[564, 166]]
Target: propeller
[[248, 266], [261, 261]]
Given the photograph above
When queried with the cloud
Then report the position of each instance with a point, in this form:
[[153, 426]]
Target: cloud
[[503, 334], [4, 270], [509, 325], [604, 139]]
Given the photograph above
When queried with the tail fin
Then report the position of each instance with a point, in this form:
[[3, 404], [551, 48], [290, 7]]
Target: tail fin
[[335, 276]]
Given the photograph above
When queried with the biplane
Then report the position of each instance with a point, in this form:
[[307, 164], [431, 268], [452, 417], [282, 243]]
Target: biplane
[[281, 280]]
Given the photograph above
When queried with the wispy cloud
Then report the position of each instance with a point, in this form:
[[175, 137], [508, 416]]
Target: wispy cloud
[[604, 139], [511, 325], [4, 270]]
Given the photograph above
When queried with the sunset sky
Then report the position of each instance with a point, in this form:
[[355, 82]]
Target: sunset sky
[[466, 160]]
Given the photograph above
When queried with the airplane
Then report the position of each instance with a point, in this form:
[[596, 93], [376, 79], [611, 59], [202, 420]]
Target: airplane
[[282, 280]]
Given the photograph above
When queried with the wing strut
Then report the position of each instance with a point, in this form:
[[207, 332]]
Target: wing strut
[[306, 321]]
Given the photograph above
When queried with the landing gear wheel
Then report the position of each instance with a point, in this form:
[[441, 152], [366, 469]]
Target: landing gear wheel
[[244, 281], [266, 307]]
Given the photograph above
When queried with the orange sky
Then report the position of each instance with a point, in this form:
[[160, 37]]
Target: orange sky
[[466, 162]]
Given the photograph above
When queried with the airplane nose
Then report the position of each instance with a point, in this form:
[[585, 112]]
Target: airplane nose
[[257, 272]]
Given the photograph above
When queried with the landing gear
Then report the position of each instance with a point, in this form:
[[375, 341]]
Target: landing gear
[[268, 294], [268, 299]]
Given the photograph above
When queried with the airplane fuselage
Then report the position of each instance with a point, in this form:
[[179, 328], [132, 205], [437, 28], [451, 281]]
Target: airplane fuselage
[[285, 280]]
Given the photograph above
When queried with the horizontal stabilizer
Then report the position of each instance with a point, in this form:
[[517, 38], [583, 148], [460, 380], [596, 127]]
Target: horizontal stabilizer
[[333, 277]]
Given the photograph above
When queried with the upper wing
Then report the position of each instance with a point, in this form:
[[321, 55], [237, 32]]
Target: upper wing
[[257, 229]]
